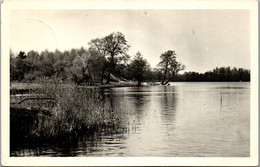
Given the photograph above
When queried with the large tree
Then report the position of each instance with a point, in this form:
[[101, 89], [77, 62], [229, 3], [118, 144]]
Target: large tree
[[138, 68], [169, 66], [112, 46]]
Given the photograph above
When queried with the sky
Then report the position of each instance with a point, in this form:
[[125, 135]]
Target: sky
[[202, 39]]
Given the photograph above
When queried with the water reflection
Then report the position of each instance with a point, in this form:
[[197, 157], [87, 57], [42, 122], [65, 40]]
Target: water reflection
[[155, 112], [183, 120]]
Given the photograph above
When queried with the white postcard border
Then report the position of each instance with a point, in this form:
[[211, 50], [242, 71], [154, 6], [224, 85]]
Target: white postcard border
[[129, 161]]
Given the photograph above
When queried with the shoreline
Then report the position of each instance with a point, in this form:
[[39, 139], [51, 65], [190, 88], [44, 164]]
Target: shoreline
[[30, 86], [25, 86]]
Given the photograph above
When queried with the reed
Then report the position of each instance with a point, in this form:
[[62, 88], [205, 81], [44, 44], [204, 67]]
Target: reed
[[76, 111]]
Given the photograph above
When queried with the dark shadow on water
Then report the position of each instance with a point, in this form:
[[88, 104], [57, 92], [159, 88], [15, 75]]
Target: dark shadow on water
[[169, 104], [23, 142], [163, 99], [64, 146]]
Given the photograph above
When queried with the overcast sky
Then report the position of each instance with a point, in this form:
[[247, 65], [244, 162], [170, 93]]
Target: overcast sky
[[202, 39]]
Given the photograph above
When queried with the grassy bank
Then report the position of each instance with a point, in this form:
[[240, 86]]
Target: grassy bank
[[75, 111]]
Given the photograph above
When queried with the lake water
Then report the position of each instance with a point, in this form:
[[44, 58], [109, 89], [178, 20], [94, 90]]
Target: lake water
[[180, 120]]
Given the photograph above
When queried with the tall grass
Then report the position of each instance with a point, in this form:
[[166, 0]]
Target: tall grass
[[76, 111]]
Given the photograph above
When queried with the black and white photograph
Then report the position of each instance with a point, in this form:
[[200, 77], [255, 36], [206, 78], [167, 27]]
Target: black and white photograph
[[116, 81]]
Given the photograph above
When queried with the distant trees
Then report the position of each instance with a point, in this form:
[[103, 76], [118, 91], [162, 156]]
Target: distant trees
[[169, 66], [19, 66], [219, 74], [15, 72]]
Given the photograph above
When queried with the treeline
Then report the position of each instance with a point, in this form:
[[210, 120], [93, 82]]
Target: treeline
[[105, 60], [218, 74], [81, 66]]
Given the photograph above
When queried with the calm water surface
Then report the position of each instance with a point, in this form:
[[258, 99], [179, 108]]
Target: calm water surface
[[181, 120]]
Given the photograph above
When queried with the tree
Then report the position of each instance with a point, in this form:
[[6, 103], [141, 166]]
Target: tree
[[95, 64], [169, 66], [86, 66], [112, 46], [47, 63], [77, 71], [22, 65], [14, 72], [138, 68], [22, 55]]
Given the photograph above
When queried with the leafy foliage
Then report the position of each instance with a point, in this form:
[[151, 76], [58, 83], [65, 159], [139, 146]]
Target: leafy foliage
[[169, 66], [114, 47], [108, 56], [138, 68]]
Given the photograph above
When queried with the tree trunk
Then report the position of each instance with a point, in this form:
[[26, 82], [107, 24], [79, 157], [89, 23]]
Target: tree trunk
[[111, 69], [139, 83], [108, 77], [92, 79], [102, 77], [169, 79], [165, 73]]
